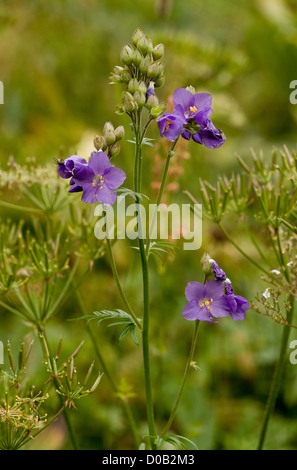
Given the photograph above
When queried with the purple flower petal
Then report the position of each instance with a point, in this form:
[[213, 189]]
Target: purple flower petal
[[89, 195], [184, 98], [83, 175], [105, 195], [202, 100], [191, 310], [214, 289], [99, 162], [197, 138], [195, 290], [68, 167], [170, 126], [114, 177], [219, 308], [186, 134]]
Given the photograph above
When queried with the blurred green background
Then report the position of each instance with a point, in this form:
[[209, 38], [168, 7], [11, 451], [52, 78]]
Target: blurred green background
[[56, 58]]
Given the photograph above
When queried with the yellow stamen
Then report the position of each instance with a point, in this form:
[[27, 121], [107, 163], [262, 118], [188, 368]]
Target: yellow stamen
[[193, 109], [206, 302], [167, 125], [94, 185]]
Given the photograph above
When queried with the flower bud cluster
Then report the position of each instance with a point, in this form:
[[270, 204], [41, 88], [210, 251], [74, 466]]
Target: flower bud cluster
[[109, 141], [141, 72]]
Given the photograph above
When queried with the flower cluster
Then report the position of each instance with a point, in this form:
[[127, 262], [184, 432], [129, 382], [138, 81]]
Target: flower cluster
[[141, 72], [97, 179], [190, 118], [214, 299]]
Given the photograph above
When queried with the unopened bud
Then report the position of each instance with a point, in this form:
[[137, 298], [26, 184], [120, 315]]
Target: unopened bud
[[160, 81], [133, 85], [137, 58], [119, 133], [143, 45], [152, 101], [108, 127], [109, 135], [144, 65], [127, 55], [142, 87], [136, 36], [158, 52], [100, 143], [191, 89], [126, 76], [114, 150], [139, 97], [206, 265], [155, 70]]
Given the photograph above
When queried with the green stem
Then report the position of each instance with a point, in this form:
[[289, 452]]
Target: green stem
[[119, 286], [146, 312], [161, 190], [43, 428], [241, 251], [65, 411], [278, 372], [277, 377], [106, 371], [186, 372]]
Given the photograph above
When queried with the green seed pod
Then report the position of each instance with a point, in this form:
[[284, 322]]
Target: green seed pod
[[158, 52], [137, 58], [160, 81], [127, 55], [133, 85], [143, 45], [155, 70], [136, 36], [119, 133], [100, 143], [151, 102], [139, 98]]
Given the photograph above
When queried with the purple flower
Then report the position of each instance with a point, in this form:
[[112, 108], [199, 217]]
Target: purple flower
[[205, 301], [98, 179], [70, 165], [218, 272], [197, 107], [191, 118], [211, 137], [236, 304], [171, 125], [150, 91]]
